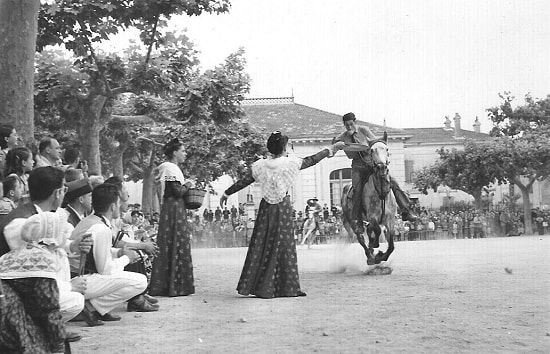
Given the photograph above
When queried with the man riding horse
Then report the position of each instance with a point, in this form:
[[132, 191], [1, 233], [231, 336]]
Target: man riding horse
[[362, 168]]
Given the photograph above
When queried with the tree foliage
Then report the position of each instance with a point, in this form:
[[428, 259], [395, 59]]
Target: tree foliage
[[79, 25], [428, 177], [467, 170]]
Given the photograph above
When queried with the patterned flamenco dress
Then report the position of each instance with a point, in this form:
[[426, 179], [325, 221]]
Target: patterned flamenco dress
[[271, 269], [172, 273]]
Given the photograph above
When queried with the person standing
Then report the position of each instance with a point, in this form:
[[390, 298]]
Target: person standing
[[172, 273], [8, 141], [49, 153], [270, 269]]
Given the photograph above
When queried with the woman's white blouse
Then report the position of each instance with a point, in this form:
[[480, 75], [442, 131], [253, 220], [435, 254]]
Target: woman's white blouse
[[276, 176]]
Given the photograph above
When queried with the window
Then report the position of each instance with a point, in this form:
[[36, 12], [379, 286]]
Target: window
[[338, 179], [409, 171]]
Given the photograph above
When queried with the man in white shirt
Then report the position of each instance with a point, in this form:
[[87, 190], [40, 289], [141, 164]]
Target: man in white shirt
[[108, 285]]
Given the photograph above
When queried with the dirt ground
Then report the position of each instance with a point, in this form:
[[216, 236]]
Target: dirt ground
[[447, 296]]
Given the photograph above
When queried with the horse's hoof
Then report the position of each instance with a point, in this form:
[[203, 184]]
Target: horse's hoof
[[378, 258], [370, 262]]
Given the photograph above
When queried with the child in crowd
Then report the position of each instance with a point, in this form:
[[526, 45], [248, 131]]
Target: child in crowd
[[19, 161], [12, 193]]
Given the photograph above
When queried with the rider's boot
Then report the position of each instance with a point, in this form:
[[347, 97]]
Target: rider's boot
[[403, 203]]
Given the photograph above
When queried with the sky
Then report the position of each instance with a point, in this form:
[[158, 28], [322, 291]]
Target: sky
[[409, 62]]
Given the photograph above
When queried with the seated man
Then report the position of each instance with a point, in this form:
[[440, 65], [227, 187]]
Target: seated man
[[144, 248], [108, 285], [78, 200], [361, 169], [47, 190]]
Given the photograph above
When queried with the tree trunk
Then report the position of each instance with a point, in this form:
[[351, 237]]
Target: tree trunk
[[147, 193], [148, 185], [18, 27], [90, 125], [477, 199], [526, 206], [118, 166]]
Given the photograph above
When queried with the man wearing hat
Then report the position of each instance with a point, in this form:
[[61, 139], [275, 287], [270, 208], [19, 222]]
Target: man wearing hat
[[313, 210], [78, 200]]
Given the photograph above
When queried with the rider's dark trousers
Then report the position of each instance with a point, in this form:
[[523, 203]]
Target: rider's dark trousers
[[359, 176], [400, 196]]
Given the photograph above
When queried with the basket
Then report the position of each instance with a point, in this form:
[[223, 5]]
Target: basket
[[193, 198]]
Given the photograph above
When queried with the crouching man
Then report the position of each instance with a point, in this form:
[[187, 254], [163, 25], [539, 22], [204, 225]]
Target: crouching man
[[107, 284]]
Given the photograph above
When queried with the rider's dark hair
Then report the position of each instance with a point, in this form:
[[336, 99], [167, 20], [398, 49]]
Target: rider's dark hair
[[276, 143], [348, 116]]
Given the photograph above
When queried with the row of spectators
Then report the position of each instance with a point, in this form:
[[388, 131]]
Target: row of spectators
[[470, 223], [460, 223], [69, 250]]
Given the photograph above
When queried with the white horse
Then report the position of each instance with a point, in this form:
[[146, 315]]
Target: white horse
[[379, 206]]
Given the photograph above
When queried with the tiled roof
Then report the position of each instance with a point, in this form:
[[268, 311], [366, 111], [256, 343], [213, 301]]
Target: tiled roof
[[439, 135], [299, 121]]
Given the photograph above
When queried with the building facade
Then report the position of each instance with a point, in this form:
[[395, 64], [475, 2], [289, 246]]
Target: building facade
[[311, 129]]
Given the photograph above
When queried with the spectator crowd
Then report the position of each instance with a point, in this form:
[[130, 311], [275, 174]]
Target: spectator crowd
[[70, 250]]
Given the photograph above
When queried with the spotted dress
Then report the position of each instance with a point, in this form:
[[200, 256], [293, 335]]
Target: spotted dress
[[271, 268], [172, 273], [30, 318]]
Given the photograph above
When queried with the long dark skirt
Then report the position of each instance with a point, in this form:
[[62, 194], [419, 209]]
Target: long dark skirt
[[30, 321], [271, 268], [172, 273]]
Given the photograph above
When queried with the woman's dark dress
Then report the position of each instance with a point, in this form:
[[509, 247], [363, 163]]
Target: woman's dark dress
[[172, 273], [271, 267], [30, 320]]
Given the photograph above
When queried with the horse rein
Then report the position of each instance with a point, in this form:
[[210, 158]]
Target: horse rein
[[380, 169]]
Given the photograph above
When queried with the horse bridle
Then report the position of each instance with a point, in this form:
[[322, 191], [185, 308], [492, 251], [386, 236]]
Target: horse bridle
[[381, 166]]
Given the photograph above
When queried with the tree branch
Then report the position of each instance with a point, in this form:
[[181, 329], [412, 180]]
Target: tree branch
[[149, 141], [94, 57], [152, 41], [141, 119], [136, 166]]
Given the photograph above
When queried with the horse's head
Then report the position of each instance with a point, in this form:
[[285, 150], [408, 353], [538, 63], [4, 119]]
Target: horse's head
[[380, 153]]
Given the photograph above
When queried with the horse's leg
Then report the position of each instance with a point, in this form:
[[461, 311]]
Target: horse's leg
[[374, 230], [390, 246], [368, 251], [347, 225], [306, 237], [383, 256], [312, 234]]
